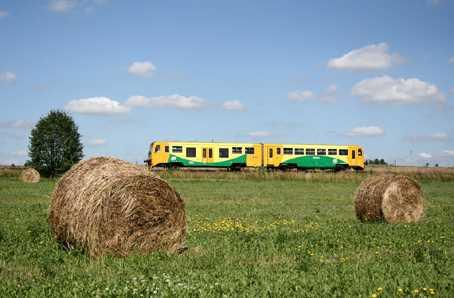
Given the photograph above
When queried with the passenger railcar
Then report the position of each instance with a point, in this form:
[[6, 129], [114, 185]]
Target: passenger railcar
[[239, 155]]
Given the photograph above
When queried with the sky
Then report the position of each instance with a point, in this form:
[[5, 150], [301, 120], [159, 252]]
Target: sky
[[379, 74]]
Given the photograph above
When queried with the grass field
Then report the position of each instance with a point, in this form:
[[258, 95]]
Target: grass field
[[247, 237]]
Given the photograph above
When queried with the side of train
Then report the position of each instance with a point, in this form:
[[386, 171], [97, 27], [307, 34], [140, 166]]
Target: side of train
[[240, 155]]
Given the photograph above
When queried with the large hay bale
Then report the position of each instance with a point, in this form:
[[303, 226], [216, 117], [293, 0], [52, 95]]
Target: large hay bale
[[107, 206], [30, 175], [393, 198]]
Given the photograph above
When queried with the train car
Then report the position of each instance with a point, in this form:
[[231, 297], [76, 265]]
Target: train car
[[199, 154], [313, 156], [240, 155]]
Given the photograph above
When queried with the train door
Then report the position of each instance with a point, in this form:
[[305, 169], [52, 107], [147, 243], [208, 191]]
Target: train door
[[273, 155], [207, 154]]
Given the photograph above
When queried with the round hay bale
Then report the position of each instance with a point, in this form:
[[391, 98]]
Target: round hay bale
[[393, 198], [30, 175], [107, 206]]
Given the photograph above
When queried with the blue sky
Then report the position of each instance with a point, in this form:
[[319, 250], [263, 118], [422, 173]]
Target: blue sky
[[375, 73]]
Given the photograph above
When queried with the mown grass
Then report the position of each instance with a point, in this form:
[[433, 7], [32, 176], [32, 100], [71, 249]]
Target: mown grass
[[247, 237]]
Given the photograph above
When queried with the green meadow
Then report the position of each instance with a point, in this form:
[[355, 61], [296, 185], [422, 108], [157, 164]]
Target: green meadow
[[251, 236]]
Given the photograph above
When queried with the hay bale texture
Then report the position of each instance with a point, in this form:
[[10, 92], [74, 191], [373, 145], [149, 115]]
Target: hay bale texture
[[107, 206], [393, 198], [30, 175]]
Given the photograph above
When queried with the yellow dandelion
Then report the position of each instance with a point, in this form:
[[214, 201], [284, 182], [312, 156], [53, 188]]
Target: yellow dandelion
[[373, 295], [380, 289]]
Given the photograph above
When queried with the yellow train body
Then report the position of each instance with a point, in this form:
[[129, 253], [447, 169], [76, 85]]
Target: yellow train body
[[238, 155]]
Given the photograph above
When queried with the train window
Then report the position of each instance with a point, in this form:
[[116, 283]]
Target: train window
[[353, 154], [271, 153], [210, 153], [343, 152], [166, 148], [191, 152], [288, 151], [332, 151], [249, 150], [310, 151], [299, 151], [321, 151], [360, 152], [278, 151], [157, 148], [204, 152], [223, 152], [177, 149], [237, 150]]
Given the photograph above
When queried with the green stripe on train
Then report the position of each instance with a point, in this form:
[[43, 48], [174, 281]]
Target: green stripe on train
[[322, 162], [190, 163]]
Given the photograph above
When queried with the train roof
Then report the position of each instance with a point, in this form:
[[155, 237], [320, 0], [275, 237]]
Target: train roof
[[249, 143]]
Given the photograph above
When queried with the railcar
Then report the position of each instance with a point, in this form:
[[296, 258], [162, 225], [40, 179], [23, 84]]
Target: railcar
[[240, 155]]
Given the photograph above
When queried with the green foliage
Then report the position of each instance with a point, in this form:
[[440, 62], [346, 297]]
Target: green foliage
[[376, 162], [247, 238], [54, 144]]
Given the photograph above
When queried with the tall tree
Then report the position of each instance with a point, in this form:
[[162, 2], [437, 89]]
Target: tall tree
[[54, 144]]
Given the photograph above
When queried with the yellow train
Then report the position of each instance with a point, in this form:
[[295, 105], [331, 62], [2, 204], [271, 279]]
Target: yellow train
[[240, 155]]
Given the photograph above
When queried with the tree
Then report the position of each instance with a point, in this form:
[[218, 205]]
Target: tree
[[54, 144]]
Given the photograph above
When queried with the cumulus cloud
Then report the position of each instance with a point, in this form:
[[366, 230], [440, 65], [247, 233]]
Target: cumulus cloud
[[3, 13], [371, 57], [171, 101], [20, 153], [329, 95], [386, 89], [17, 124], [300, 95], [7, 77], [449, 152], [366, 131], [96, 142], [62, 6], [141, 69], [259, 134], [96, 106], [425, 155], [233, 105], [435, 137]]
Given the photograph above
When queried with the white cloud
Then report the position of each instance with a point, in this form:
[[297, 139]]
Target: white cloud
[[96, 106], [7, 77], [386, 89], [425, 155], [435, 137], [141, 69], [20, 153], [329, 95], [17, 124], [371, 57], [451, 60], [449, 152], [170, 101], [96, 142], [3, 13], [366, 131], [62, 6], [300, 95], [259, 134], [233, 105]]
